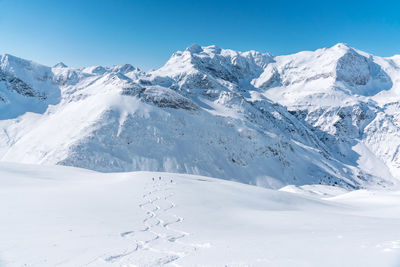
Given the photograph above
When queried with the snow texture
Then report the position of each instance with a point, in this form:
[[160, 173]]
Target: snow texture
[[64, 216]]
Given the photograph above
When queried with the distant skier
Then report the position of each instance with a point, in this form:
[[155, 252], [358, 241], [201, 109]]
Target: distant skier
[[153, 179], [171, 181], [159, 178]]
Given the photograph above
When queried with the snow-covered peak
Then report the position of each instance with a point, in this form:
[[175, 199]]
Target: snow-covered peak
[[209, 50], [34, 75], [60, 65], [195, 49], [97, 70], [199, 56], [210, 67], [100, 70], [24, 69], [341, 72], [124, 68], [341, 46], [25, 86]]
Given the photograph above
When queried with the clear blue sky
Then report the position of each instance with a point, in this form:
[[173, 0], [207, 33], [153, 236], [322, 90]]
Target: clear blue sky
[[145, 33]]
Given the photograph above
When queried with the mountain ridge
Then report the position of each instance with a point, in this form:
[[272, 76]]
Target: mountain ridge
[[306, 118]]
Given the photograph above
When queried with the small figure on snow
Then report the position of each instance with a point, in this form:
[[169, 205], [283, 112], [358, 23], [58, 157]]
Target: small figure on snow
[[153, 179], [159, 178]]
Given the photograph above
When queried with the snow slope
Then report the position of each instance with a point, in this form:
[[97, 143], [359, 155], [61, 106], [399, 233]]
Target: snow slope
[[25, 86], [317, 117], [64, 216], [349, 97]]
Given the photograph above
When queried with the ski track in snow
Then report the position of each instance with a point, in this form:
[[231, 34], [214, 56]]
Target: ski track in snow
[[146, 251], [141, 222]]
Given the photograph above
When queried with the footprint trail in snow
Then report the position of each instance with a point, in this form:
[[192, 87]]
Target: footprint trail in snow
[[158, 241]]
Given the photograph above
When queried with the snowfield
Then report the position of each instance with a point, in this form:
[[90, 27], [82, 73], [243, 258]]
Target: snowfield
[[65, 216]]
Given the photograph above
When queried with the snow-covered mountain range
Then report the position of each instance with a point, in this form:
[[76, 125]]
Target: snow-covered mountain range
[[328, 116]]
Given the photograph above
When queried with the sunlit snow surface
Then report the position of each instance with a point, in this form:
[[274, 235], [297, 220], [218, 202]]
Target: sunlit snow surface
[[63, 216]]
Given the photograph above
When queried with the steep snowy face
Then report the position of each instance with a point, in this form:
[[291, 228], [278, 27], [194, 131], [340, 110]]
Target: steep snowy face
[[259, 144], [344, 95], [361, 134], [208, 111], [334, 73], [206, 69], [352, 68], [25, 86], [382, 136]]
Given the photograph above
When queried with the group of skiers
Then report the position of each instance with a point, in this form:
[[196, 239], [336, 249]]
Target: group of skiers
[[159, 178]]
